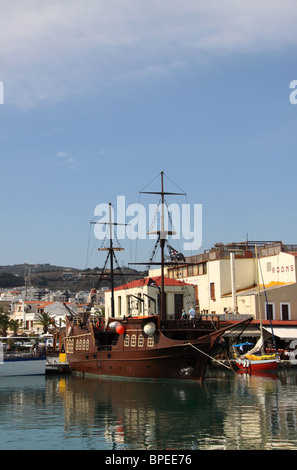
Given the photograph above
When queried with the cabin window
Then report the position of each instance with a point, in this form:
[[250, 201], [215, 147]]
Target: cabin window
[[69, 346], [84, 344], [87, 344], [133, 340], [140, 340], [150, 341], [127, 340]]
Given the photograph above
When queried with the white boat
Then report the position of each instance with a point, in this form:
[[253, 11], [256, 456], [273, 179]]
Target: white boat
[[21, 363]]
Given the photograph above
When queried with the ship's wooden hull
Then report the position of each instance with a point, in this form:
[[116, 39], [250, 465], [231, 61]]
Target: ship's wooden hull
[[175, 363]]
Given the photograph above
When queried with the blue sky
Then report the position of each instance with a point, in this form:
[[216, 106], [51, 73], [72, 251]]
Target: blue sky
[[101, 96]]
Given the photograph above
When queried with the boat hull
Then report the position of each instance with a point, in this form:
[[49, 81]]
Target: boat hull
[[22, 366], [168, 364], [261, 365]]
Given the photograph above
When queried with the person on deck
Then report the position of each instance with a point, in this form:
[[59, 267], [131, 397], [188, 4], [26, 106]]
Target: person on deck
[[184, 315], [192, 313]]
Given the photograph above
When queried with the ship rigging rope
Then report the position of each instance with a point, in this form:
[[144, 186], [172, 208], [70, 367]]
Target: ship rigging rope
[[221, 363]]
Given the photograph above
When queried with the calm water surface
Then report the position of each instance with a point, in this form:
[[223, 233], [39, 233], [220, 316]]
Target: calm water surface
[[226, 412]]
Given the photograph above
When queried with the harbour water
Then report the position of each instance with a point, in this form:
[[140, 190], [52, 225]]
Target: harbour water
[[226, 412]]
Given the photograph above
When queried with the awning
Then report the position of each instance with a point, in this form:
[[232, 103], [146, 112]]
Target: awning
[[282, 332]]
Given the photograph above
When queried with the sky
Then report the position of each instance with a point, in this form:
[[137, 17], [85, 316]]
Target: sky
[[100, 97]]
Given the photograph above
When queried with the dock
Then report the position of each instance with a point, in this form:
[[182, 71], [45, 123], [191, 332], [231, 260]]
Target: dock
[[57, 364]]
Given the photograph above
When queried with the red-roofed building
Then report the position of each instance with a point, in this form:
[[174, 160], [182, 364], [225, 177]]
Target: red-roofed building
[[142, 297]]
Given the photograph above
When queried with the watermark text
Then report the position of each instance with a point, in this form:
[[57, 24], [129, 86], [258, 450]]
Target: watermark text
[[135, 221]]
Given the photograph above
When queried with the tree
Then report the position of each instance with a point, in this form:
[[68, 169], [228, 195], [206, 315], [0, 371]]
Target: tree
[[46, 320], [4, 322], [15, 325]]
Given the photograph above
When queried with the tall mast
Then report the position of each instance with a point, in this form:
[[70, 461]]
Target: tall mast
[[162, 233], [259, 301], [162, 245], [110, 255], [111, 262]]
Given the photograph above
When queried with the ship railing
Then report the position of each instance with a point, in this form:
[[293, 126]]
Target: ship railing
[[201, 321]]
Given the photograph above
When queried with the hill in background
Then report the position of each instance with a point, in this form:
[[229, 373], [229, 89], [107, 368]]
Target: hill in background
[[60, 277]]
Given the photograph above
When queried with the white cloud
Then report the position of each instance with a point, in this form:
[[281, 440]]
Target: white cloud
[[51, 49], [62, 154], [63, 157]]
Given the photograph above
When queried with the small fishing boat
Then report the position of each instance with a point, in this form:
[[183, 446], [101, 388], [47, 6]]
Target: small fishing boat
[[251, 362]]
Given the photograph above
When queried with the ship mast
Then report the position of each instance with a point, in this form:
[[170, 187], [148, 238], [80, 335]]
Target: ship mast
[[111, 249], [162, 234]]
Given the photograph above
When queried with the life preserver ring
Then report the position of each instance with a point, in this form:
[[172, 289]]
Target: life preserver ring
[[99, 325]]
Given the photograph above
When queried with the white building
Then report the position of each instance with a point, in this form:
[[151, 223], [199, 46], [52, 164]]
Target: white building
[[27, 313], [142, 297]]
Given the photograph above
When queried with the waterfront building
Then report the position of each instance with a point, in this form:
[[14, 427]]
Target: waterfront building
[[226, 279], [27, 312]]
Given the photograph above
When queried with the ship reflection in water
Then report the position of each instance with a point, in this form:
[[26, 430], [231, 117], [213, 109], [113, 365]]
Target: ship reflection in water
[[226, 412]]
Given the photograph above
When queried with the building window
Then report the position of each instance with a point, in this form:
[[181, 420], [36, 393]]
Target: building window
[[139, 304], [140, 340], [133, 340], [269, 311], [202, 269], [127, 340], [150, 341], [190, 270], [285, 311], [212, 291]]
